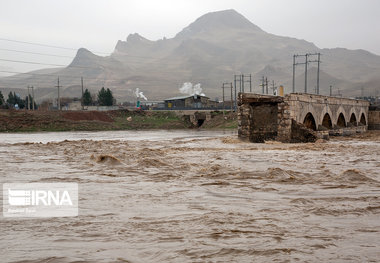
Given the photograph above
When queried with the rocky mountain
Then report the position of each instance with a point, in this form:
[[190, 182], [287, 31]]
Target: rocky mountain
[[208, 51]]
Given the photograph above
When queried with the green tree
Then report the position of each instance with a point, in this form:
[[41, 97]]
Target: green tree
[[86, 99], [11, 99], [110, 99], [1, 98], [105, 97], [14, 99]]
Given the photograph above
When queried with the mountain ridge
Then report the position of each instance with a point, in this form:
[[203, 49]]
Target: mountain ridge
[[209, 51]]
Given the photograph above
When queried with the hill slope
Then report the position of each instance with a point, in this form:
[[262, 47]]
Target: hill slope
[[208, 51]]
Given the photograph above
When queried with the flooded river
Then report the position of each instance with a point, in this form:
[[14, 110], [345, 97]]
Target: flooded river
[[196, 196]]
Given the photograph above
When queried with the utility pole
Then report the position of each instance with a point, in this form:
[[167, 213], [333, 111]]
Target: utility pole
[[223, 97], [242, 84], [244, 79], [295, 63], [235, 91], [59, 99], [319, 62], [262, 84], [306, 56], [294, 74], [32, 97], [240, 87], [81, 101], [266, 85], [330, 90], [250, 82], [28, 105], [318, 69], [231, 95]]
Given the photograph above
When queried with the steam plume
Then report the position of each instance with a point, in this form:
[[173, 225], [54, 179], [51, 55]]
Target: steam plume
[[190, 89], [140, 94]]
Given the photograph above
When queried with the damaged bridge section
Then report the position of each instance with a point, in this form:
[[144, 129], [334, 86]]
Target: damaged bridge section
[[299, 117]]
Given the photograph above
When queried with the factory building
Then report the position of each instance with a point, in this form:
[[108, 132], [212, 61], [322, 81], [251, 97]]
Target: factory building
[[190, 102]]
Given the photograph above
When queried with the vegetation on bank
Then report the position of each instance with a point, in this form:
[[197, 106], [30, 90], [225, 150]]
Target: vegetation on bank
[[34, 121], [15, 101], [104, 97], [1, 98]]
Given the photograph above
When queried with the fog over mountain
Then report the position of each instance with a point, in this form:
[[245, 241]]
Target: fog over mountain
[[208, 51]]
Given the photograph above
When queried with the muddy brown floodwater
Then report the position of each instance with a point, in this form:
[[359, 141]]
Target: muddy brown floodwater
[[184, 196]]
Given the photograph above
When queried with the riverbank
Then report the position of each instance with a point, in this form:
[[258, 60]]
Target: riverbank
[[34, 121]]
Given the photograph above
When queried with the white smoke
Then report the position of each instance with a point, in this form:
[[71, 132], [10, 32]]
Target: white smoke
[[190, 89], [140, 94]]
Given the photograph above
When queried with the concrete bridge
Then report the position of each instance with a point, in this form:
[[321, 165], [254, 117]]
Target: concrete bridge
[[265, 117]]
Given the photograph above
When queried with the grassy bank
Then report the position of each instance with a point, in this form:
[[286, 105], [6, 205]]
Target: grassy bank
[[33, 121]]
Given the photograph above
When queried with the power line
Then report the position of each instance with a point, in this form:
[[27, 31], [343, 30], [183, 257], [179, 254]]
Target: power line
[[31, 62], [66, 48], [54, 55], [61, 65], [45, 45], [35, 53], [69, 48], [126, 63], [49, 75], [26, 73], [47, 64], [72, 82], [47, 78]]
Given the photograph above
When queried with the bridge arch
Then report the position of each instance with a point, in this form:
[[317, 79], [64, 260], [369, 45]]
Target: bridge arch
[[337, 112], [309, 121], [352, 117], [326, 121], [363, 120], [341, 121], [322, 117], [353, 120]]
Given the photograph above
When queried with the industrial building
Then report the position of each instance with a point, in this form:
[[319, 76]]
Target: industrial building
[[190, 102]]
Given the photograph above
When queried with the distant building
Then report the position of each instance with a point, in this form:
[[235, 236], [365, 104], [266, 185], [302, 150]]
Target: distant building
[[74, 105], [152, 105], [190, 102], [77, 105]]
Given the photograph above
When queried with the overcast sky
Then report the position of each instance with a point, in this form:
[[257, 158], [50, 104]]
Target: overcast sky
[[98, 24]]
